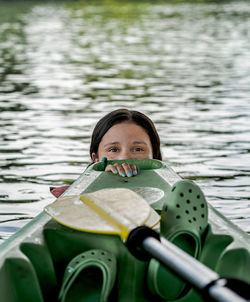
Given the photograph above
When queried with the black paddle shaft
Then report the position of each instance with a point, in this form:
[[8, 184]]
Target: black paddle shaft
[[145, 243]]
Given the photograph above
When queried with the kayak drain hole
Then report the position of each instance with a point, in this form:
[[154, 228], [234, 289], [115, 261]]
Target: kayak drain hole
[[178, 217]]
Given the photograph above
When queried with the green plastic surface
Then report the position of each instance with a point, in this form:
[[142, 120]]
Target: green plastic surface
[[33, 261]]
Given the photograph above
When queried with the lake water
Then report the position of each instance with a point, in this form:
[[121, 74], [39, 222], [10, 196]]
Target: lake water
[[64, 64]]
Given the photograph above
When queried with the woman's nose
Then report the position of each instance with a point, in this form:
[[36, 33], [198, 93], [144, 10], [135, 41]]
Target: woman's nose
[[125, 155]]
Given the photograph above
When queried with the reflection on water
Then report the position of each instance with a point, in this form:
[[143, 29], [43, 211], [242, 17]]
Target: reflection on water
[[63, 65]]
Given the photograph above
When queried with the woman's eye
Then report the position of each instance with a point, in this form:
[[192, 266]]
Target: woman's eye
[[138, 149], [113, 149]]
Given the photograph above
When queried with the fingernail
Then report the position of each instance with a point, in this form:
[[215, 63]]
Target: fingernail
[[116, 171], [134, 172], [129, 173], [123, 175]]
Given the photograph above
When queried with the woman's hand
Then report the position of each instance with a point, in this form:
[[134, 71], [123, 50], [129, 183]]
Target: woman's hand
[[124, 170]]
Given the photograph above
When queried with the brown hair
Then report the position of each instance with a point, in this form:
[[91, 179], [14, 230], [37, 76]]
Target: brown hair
[[121, 115]]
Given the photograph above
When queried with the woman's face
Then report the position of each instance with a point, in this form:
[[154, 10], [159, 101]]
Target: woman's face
[[125, 140]]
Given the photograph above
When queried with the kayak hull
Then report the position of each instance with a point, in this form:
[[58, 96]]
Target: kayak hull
[[34, 260]]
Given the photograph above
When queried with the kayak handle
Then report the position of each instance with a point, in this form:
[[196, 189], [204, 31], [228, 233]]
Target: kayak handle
[[142, 164]]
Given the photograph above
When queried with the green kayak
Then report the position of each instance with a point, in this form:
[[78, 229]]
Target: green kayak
[[48, 260]]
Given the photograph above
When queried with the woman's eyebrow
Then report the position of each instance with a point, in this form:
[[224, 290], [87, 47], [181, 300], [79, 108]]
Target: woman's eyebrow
[[139, 143], [111, 143]]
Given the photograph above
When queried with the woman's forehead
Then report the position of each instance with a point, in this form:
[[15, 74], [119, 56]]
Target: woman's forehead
[[126, 128]]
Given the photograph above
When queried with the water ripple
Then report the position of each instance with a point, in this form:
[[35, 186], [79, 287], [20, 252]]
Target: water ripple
[[63, 65]]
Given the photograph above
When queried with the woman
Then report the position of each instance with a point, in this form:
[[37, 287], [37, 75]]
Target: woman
[[122, 134]]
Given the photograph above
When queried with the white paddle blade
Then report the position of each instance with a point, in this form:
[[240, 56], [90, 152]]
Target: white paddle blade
[[72, 212], [153, 220], [108, 211]]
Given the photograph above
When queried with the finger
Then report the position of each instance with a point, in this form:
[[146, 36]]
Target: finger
[[134, 169], [124, 170], [112, 168], [127, 169], [120, 170]]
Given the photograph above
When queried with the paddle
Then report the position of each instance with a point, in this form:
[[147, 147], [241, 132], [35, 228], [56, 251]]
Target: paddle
[[209, 284], [108, 211], [121, 211]]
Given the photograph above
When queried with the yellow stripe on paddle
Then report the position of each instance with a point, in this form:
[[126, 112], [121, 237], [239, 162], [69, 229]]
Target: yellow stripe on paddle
[[108, 211], [106, 215]]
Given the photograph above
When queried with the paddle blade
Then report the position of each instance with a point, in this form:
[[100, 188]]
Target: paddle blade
[[153, 220], [108, 211]]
